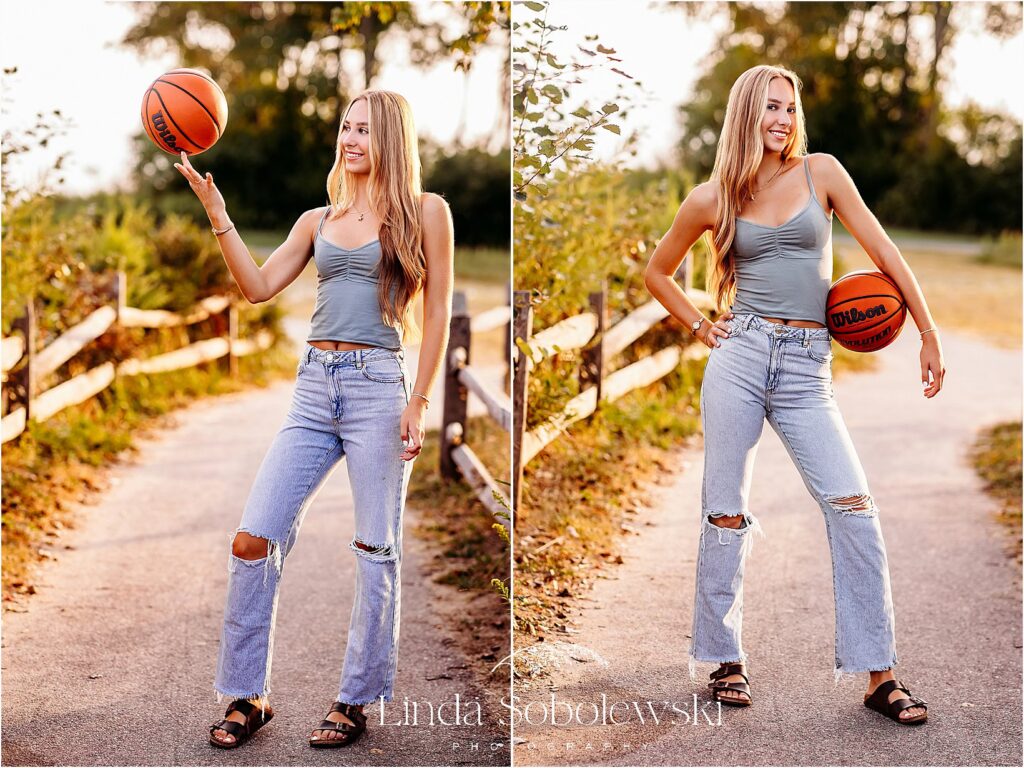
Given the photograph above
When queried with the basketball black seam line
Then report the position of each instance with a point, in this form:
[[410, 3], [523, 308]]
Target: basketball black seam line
[[867, 296], [902, 307], [167, 82], [894, 336], [187, 138], [145, 117]]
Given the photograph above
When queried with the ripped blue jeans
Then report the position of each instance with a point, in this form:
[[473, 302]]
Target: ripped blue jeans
[[781, 373], [347, 404]]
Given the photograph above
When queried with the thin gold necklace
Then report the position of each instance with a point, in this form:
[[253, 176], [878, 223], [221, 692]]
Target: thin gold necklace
[[768, 183], [361, 214]]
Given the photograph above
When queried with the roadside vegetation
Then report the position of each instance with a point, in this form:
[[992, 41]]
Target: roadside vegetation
[[996, 455], [60, 254]]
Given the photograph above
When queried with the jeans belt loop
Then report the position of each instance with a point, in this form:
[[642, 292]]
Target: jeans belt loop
[[807, 337], [359, 358]]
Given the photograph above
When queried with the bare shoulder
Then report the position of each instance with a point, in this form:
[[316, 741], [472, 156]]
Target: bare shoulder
[[434, 206], [702, 202], [437, 216], [311, 218], [307, 223], [825, 166]]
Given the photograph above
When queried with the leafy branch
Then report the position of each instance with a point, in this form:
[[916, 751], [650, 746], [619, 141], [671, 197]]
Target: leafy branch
[[547, 133]]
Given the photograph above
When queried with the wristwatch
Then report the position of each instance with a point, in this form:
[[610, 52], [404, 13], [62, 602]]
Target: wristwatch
[[695, 325]]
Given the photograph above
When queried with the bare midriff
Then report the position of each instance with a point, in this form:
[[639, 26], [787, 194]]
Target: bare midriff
[[339, 345], [794, 323]]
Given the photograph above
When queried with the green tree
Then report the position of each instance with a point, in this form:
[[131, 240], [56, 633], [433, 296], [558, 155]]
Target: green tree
[[281, 68], [873, 84]]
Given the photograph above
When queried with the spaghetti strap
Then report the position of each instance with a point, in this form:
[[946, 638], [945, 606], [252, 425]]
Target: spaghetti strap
[[810, 182], [319, 229]]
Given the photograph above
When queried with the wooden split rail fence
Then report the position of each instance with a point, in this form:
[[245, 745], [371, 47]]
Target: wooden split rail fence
[[21, 400], [460, 378], [590, 331]]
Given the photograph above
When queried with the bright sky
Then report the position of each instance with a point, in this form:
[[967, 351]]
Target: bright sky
[[79, 71], [659, 46], [665, 50]]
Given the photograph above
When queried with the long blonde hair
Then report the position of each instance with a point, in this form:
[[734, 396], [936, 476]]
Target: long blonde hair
[[737, 158], [394, 192]]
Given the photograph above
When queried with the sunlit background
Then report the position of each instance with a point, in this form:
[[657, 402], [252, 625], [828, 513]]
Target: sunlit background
[[98, 84], [666, 49]]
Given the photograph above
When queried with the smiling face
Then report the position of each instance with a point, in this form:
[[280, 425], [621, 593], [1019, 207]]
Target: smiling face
[[779, 119], [355, 138]]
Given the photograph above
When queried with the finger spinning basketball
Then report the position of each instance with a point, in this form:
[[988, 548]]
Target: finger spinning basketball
[[184, 110]]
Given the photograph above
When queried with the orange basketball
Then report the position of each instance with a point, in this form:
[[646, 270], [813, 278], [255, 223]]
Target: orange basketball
[[184, 110], [865, 310]]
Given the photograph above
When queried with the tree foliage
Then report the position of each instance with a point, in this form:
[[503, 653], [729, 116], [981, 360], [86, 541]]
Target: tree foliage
[[873, 97], [549, 128], [284, 68], [580, 226]]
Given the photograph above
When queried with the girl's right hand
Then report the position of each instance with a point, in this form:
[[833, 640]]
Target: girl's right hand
[[715, 330], [204, 188]]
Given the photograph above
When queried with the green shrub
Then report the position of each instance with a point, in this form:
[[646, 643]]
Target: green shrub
[[1004, 250]]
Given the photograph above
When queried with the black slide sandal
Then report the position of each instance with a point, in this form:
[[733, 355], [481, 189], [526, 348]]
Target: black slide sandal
[[241, 731]]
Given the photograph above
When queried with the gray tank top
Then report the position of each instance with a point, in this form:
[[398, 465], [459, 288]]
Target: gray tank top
[[785, 271], [347, 307]]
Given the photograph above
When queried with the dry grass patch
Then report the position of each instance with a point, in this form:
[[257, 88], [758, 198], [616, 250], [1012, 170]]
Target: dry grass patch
[[963, 293], [996, 455], [469, 552]]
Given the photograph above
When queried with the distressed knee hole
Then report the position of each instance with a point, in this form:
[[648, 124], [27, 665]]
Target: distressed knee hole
[[245, 546], [858, 504], [728, 521], [374, 552]]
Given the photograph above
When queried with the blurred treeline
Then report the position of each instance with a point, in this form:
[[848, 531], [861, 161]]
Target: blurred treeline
[[874, 77], [287, 72], [62, 254]]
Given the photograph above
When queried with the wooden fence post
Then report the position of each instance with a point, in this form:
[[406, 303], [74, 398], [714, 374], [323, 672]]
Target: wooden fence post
[[508, 340], [453, 417], [221, 322], [232, 339], [23, 383], [522, 325], [592, 369], [119, 294], [119, 297]]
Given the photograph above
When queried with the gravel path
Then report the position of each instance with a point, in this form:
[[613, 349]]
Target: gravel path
[[957, 598], [113, 662]]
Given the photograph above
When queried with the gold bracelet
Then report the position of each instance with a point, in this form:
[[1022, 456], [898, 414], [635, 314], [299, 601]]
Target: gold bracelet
[[220, 232], [930, 330], [417, 394]]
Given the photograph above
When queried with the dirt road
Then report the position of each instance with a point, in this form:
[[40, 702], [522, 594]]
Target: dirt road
[[113, 662], [957, 600]]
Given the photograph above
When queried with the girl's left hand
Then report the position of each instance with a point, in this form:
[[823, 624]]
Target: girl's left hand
[[412, 429], [931, 360]]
